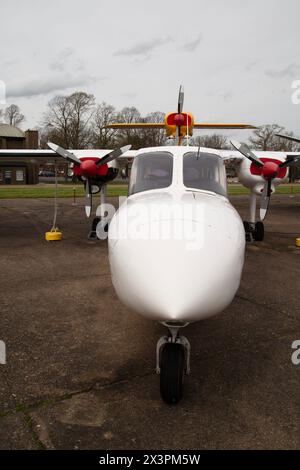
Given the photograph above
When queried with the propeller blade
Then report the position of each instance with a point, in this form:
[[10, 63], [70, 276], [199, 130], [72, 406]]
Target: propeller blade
[[244, 150], [290, 160], [88, 199], [178, 132], [288, 137], [113, 155], [265, 199], [180, 99], [64, 153]]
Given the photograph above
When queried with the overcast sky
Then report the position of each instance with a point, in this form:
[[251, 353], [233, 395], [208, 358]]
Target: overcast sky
[[237, 60]]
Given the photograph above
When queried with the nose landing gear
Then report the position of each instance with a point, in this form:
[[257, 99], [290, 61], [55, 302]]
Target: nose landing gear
[[172, 364], [254, 231]]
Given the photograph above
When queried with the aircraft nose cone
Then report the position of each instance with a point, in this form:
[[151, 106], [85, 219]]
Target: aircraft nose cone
[[89, 168], [169, 277], [269, 169]]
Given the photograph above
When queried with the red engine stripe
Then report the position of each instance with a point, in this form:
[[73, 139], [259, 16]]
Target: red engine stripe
[[255, 170]]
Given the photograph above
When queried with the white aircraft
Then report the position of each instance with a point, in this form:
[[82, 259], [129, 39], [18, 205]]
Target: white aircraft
[[176, 247]]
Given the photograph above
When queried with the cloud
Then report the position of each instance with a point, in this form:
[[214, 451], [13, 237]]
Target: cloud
[[60, 61], [143, 49], [250, 66], [227, 96], [190, 46], [290, 71], [43, 85]]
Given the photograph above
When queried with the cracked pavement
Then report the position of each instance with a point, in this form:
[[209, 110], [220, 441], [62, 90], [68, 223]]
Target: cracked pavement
[[80, 370]]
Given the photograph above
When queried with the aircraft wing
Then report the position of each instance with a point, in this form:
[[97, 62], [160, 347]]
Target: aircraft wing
[[235, 125], [236, 156], [49, 156], [136, 125], [162, 125]]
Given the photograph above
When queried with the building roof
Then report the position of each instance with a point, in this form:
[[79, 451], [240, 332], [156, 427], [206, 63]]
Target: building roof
[[10, 131]]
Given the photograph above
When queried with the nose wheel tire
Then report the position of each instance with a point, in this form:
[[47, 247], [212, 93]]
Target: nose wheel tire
[[259, 232], [172, 370], [254, 231], [93, 233]]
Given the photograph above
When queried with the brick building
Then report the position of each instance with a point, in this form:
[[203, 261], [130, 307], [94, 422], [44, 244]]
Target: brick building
[[21, 172]]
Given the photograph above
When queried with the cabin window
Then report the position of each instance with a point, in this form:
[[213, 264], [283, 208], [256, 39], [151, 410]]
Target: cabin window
[[204, 171], [152, 170]]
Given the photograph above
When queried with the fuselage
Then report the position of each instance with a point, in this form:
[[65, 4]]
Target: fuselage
[[176, 246]]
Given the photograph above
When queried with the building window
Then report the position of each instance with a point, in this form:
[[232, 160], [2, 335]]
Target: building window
[[20, 175]]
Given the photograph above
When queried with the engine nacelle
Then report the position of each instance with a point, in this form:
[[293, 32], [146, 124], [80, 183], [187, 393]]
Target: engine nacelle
[[251, 176]]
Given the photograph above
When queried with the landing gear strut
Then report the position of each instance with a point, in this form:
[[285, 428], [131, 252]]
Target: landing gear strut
[[253, 230], [172, 363], [93, 232]]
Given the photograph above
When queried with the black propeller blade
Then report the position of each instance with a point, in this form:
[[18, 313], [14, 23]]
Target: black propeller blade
[[288, 137], [113, 155], [179, 108], [180, 99], [88, 198], [64, 153], [290, 161], [244, 150], [265, 199]]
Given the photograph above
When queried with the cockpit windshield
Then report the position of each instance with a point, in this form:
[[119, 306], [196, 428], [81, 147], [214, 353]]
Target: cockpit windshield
[[152, 170], [204, 171]]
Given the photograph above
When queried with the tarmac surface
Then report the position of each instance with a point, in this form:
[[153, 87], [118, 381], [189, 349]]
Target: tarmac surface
[[80, 366]]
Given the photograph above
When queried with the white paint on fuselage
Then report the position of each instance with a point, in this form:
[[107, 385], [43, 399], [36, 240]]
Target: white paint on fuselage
[[185, 278]]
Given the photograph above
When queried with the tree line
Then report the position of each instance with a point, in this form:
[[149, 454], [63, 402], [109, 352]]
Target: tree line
[[77, 121]]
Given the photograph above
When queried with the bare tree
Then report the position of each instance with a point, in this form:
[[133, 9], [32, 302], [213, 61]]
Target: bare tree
[[129, 136], [13, 116], [67, 121], [57, 120], [103, 137], [140, 137], [215, 141], [82, 109], [264, 137], [155, 137]]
